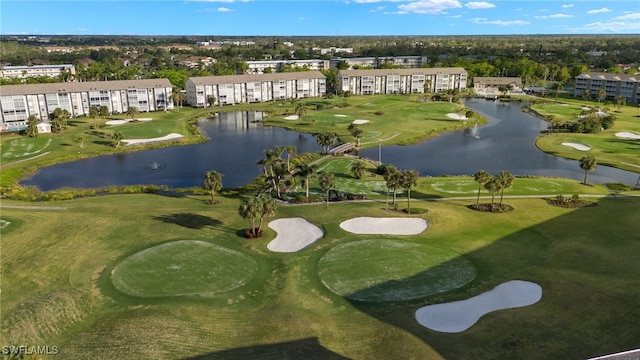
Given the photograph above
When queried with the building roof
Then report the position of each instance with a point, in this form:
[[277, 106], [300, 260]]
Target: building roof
[[413, 71], [497, 81], [238, 79], [50, 88], [608, 76]]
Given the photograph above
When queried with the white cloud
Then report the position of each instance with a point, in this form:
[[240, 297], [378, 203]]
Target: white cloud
[[429, 6], [223, 9], [484, 21], [598, 11], [629, 16], [479, 5], [554, 16], [613, 26], [566, 6], [379, 8]]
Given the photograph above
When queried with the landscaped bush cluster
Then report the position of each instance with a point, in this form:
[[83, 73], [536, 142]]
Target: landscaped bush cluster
[[33, 194], [589, 121]]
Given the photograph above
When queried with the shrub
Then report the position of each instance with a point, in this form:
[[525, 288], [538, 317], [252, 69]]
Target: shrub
[[379, 112]]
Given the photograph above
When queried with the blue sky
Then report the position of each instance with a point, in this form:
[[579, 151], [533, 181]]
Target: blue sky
[[324, 17]]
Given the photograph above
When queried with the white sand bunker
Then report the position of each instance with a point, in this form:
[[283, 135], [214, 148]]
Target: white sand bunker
[[457, 116], [359, 121], [294, 234], [385, 226], [142, 141], [340, 115], [581, 147], [628, 135], [120, 122], [458, 316], [292, 117]]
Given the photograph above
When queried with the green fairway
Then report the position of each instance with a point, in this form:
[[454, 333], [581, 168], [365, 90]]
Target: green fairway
[[184, 267], [392, 270], [606, 147]]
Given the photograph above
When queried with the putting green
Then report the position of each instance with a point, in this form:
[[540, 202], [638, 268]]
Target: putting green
[[391, 270], [186, 267]]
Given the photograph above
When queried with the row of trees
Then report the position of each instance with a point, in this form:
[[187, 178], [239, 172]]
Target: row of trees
[[494, 184]]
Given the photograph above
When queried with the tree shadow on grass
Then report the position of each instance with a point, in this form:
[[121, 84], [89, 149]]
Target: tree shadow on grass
[[189, 220], [308, 348]]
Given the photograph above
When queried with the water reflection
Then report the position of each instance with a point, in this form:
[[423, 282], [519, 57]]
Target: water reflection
[[237, 141]]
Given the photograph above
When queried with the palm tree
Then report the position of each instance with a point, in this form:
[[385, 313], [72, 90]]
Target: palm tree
[[327, 183], [481, 177], [249, 210], [505, 180], [355, 132], [586, 95], [213, 183], [32, 126], [493, 185], [291, 151], [266, 208], [117, 137], [300, 109], [80, 140], [587, 163], [392, 177], [93, 113], [357, 169], [306, 171], [602, 94], [325, 140], [408, 180], [132, 111]]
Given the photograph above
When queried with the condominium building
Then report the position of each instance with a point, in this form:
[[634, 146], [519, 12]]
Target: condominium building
[[36, 70], [614, 85], [18, 102], [493, 86], [259, 67], [402, 81], [376, 62], [235, 89]]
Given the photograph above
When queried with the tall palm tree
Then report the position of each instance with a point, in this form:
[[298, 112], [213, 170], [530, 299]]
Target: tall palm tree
[[587, 163], [408, 180], [357, 169], [213, 183], [392, 177], [493, 186], [505, 180], [266, 208], [93, 113], [602, 94], [325, 140], [306, 172], [291, 151], [249, 210], [356, 132], [327, 183], [32, 126], [481, 177]]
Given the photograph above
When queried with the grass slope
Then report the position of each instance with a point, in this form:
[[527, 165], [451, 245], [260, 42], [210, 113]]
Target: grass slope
[[57, 288]]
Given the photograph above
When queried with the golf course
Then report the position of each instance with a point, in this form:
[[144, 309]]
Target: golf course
[[132, 272]]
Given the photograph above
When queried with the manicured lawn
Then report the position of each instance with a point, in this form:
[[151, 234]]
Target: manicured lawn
[[184, 267], [605, 146], [59, 267]]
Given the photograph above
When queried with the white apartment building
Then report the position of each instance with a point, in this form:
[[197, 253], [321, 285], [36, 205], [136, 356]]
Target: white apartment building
[[615, 85], [36, 70], [376, 62], [334, 50], [235, 89], [18, 102], [258, 67], [402, 81]]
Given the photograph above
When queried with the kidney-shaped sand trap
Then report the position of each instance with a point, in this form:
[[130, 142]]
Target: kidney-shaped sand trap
[[385, 226], [294, 234], [577, 146], [628, 135], [458, 316]]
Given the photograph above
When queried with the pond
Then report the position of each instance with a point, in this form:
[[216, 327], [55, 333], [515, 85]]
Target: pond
[[238, 140]]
